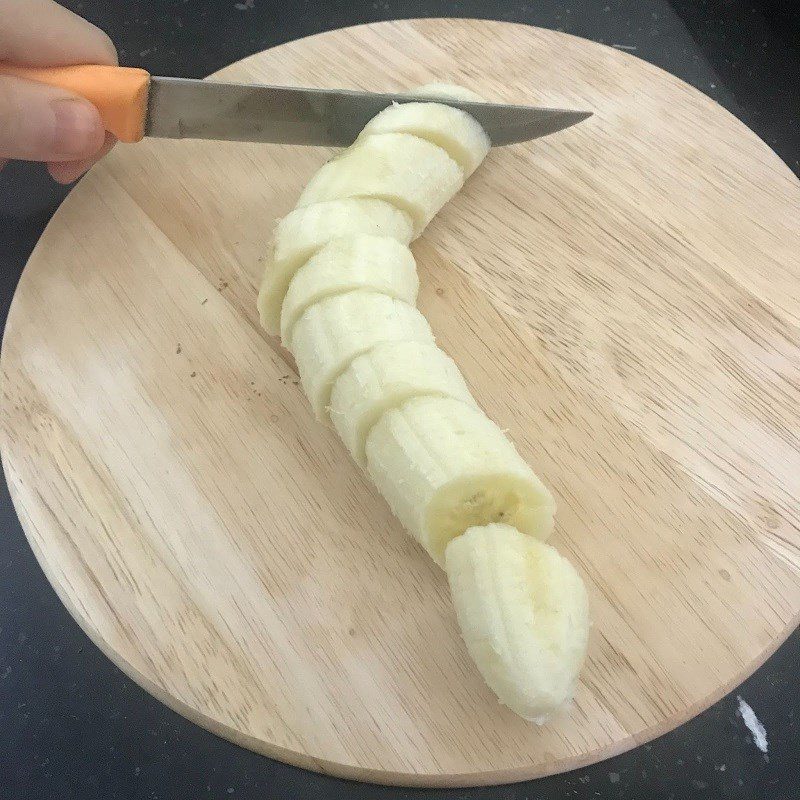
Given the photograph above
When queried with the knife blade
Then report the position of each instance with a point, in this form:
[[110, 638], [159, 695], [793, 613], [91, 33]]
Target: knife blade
[[134, 104], [180, 108]]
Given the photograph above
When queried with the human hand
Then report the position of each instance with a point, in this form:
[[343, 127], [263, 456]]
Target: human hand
[[42, 123]]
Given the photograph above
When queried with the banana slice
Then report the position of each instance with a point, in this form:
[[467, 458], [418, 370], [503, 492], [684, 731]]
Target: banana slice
[[330, 334], [444, 466], [524, 616], [384, 378], [414, 175], [304, 231], [453, 130], [376, 263], [448, 91]]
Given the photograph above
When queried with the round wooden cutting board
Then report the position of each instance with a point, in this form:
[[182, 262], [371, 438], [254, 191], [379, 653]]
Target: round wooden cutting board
[[623, 297]]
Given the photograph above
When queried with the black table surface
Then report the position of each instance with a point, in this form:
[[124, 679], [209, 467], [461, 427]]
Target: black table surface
[[73, 726]]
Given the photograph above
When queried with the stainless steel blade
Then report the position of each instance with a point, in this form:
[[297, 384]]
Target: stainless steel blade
[[179, 108]]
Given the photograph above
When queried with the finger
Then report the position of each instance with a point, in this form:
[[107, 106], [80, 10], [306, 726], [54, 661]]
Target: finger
[[42, 123], [43, 33], [69, 171]]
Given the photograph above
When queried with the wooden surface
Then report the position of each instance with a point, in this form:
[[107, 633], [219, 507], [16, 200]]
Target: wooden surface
[[623, 297]]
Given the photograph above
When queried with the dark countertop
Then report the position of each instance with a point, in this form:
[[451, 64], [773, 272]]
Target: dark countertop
[[73, 726]]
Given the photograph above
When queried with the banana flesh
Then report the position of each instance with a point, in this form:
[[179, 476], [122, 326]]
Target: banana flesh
[[443, 466], [406, 171], [448, 91], [457, 133], [304, 231], [524, 616], [341, 287], [384, 378], [374, 263], [330, 334]]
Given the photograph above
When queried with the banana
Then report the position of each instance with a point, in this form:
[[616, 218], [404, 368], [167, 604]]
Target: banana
[[414, 175], [385, 377], [523, 613], [453, 130], [376, 263], [341, 287], [330, 334], [304, 231], [443, 466]]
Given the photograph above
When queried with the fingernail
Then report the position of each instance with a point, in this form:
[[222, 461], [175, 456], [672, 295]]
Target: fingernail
[[77, 132], [66, 172]]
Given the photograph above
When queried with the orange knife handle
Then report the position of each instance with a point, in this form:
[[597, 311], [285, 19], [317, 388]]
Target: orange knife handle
[[119, 93]]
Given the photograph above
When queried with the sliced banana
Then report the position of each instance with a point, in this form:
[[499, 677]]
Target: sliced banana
[[453, 130], [444, 466], [448, 91], [384, 378], [330, 334], [523, 613], [340, 288], [304, 231], [414, 175], [375, 263]]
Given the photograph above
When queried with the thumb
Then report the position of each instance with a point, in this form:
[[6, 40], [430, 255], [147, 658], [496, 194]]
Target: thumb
[[43, 123]]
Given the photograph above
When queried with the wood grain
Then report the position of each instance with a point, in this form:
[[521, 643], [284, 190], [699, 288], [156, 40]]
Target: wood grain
[[623, 297]]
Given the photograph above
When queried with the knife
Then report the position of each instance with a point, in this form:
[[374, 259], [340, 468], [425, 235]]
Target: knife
[[134, 104]]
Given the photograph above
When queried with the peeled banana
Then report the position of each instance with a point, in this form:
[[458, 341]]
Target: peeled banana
[[443, 466], [455, 132], [384, 378], [330, 334], [340, 287], [304, 231], [375, 263], [406, 171], [524, 616]]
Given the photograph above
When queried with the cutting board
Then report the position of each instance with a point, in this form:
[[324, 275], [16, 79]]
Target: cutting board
[[623, 298]]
